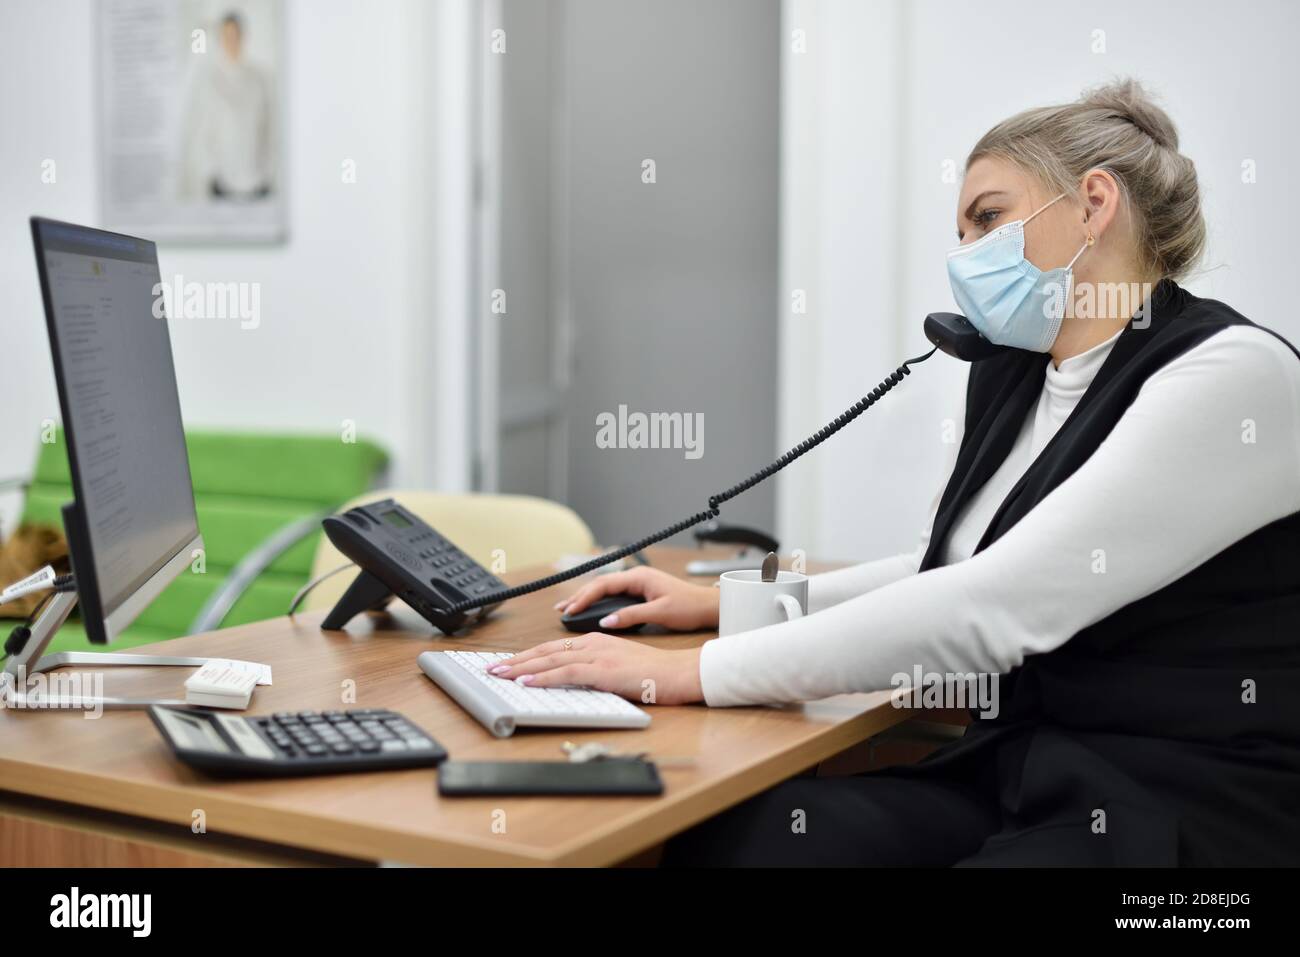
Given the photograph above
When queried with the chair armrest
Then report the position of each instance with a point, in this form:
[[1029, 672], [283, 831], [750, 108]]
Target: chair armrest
[[215, 609]]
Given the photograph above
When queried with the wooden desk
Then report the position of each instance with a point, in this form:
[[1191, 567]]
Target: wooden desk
[[107, 791]]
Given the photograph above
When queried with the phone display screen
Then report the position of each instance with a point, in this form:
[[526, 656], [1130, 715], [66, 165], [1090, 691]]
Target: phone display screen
[[397, 519]]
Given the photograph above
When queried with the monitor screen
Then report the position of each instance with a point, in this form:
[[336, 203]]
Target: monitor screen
[[121, 412]]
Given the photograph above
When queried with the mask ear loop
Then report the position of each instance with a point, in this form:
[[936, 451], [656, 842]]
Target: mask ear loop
[[1069, 268], [1043, 207]]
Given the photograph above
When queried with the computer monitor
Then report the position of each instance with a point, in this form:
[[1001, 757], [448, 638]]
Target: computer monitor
[[132, 527]]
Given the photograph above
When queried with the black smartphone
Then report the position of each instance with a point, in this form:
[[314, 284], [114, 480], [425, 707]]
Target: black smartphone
[[605, 776]]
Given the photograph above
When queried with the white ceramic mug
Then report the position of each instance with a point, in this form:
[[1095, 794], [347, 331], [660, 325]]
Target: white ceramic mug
[[748, 602]]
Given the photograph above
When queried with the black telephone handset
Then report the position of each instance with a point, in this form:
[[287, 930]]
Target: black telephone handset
[[400, 555], [954, 335]]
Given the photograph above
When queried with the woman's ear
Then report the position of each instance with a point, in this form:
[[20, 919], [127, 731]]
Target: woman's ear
[[1101, 195]]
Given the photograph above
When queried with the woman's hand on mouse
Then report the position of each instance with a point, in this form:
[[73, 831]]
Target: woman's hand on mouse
[[669, 601], [636, 671]]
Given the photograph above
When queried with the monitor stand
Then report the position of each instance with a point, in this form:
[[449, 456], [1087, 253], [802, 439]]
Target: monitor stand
[[29, 661]]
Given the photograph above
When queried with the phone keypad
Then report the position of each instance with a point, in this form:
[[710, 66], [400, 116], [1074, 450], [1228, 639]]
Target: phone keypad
[[453, 567]]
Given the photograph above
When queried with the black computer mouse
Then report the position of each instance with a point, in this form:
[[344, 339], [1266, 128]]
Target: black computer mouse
[[589, 618]]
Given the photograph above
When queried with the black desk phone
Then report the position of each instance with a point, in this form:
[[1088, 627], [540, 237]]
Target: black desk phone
[[399, 554]]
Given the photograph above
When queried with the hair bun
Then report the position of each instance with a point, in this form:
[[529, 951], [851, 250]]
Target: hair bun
[[1128, 101]]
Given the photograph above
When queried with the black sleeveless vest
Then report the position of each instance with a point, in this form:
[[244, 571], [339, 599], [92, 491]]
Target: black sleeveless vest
[[1142, 716]]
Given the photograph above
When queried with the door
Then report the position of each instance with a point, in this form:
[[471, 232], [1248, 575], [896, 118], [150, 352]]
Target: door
[[631, 288]]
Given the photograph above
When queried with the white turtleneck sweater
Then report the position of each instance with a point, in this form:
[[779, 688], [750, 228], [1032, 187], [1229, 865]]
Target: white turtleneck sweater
[[1208, 452]]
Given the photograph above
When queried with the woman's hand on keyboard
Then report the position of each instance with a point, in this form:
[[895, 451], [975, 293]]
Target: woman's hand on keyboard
[[639, 672], [669, 601]]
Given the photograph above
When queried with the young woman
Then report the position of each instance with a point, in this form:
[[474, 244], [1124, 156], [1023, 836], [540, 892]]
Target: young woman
[[1119, 540]]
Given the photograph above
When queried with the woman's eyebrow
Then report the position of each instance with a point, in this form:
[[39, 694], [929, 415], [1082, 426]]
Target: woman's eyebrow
[[970, 210]]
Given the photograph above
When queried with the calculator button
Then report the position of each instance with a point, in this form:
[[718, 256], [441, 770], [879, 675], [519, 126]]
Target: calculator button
[[393, 745], [342, 747], [315, 750]]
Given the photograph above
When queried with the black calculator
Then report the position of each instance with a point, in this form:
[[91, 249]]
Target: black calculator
[[296, 742]]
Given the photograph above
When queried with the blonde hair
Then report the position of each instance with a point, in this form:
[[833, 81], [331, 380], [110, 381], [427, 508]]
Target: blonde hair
[[1118, 128]]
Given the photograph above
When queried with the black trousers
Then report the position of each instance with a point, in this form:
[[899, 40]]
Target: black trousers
[[876, 820]]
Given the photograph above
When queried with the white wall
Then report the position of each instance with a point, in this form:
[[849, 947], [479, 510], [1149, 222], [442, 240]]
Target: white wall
[[363, 315], [889, 90]]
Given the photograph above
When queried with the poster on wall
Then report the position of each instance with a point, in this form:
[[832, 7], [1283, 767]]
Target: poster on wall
[[191, 119]]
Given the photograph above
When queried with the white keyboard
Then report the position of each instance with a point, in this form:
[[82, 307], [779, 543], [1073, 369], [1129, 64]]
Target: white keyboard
[[502, 705]]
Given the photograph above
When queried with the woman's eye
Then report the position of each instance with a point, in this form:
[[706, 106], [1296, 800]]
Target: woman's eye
[[985, 217]]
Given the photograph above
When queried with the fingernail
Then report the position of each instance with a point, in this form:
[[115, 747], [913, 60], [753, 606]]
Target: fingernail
[[498, 669], [609, 621], [560, 604], [524, 680]]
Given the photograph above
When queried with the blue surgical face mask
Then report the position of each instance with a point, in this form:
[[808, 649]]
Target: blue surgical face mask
[[1006, 297]]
